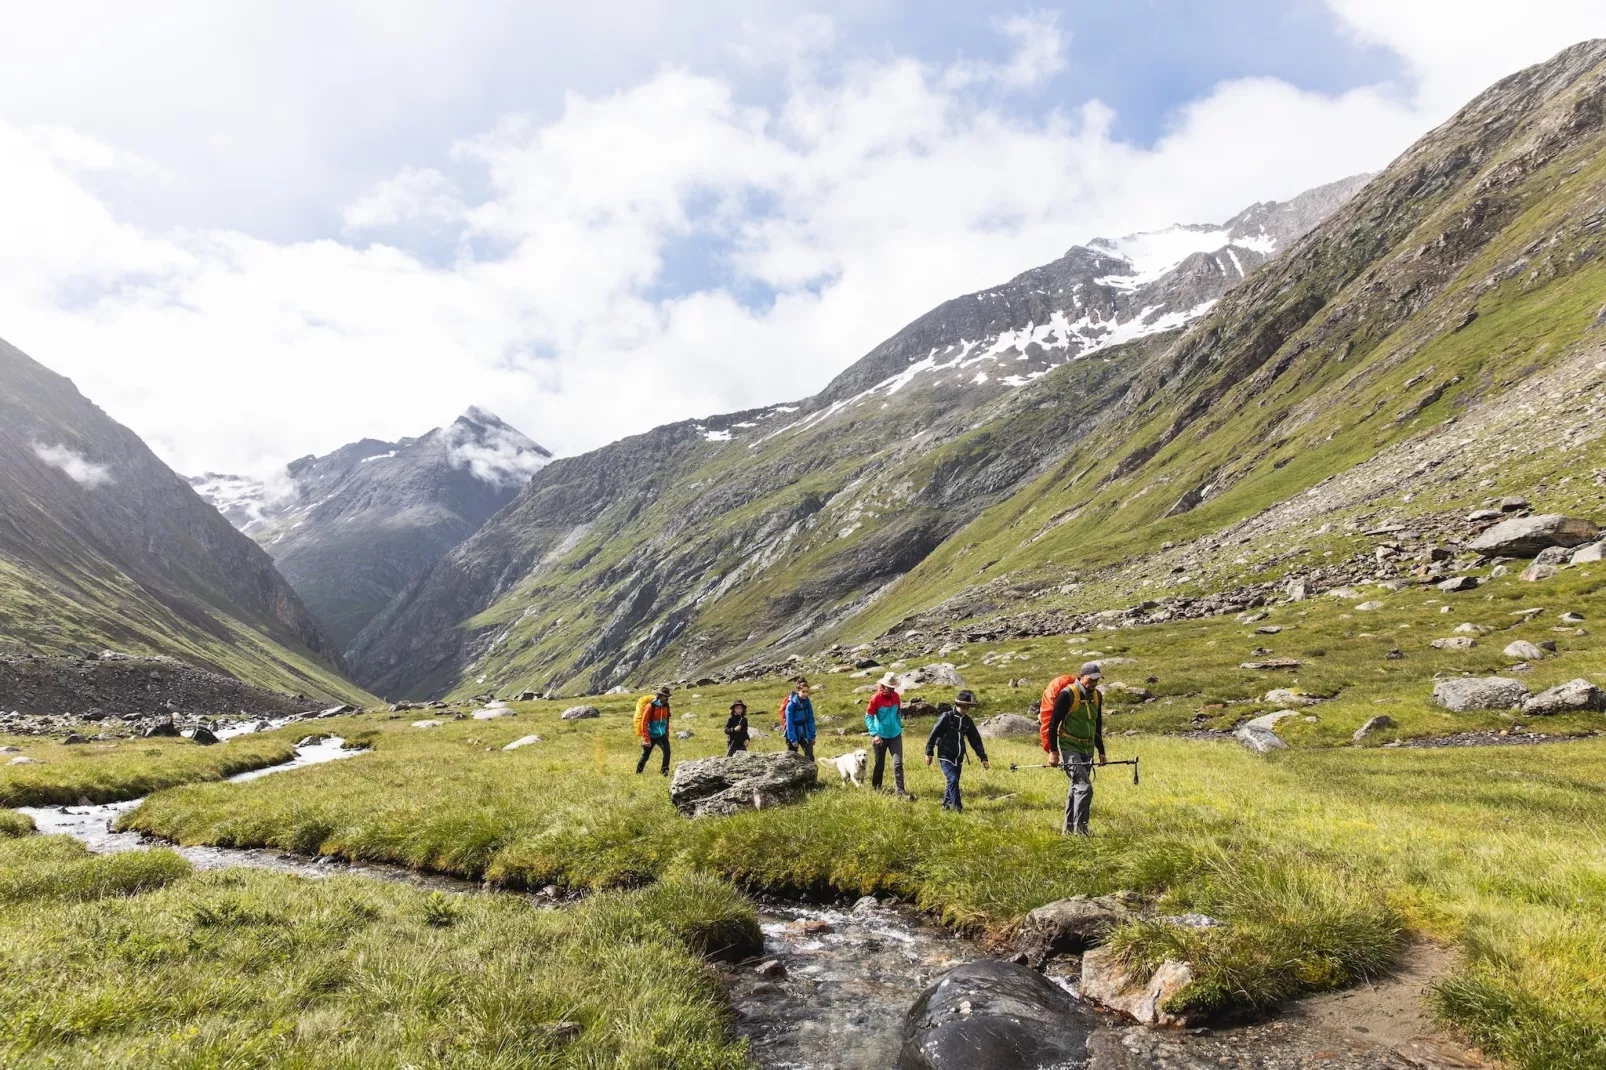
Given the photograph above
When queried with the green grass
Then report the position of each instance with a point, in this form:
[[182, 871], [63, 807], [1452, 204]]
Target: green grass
[[1321, 858], [13, 824], [131, 961], [114, 770]]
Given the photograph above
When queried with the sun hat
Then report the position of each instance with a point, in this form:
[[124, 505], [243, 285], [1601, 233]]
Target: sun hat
[[966, 698]]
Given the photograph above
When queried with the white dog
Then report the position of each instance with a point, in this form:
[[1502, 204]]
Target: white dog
[[850, 766]]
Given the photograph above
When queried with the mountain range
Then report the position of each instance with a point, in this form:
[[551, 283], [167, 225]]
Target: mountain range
[[1094, 434], [102, 545], [349, 529]]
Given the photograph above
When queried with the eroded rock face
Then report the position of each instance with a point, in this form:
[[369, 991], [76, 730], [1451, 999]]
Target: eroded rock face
[[1527, 536], [715, 787], [990, 1015], [1069, 925], [1573, 695], [1479, 693], [1107, 980], [1005, 725]]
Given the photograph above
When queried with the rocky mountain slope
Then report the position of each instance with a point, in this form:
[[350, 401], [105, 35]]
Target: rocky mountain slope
[[707, 539], [351, 528], [102, 545]]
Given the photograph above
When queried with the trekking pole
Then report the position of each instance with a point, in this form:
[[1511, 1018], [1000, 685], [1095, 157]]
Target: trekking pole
[[1133, 762]]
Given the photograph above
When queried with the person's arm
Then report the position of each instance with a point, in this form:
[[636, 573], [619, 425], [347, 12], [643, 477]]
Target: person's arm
[[931, 740], [973, 734], [1062, 706]]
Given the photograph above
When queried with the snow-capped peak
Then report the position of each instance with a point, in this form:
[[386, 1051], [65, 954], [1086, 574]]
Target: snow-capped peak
[[493, 451]]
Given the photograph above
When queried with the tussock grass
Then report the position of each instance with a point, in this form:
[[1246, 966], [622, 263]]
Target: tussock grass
[[1319, 859], [127, 769], [61, 868], [250, 968], [14, 824]]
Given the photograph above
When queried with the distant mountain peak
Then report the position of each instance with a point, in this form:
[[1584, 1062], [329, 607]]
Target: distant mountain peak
[[492, 450]]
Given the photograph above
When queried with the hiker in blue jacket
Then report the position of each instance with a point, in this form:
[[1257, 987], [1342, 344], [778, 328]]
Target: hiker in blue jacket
[[800, 720]]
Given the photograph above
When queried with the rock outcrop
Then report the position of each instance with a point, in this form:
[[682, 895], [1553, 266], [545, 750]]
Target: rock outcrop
[[1479, 693], [990, 1015], [1528, 536], [1574, 695], [746, 780]]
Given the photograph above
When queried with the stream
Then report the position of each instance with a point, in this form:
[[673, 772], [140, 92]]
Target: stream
[[848, 976]]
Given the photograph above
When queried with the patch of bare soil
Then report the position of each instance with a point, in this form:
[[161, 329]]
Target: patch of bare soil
[[1385, 1025]]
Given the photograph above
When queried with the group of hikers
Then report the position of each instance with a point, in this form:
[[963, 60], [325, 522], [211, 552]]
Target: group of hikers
[[1070, 718]]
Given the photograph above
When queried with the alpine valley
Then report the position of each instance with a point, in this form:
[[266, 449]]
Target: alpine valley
[[1162, 424]]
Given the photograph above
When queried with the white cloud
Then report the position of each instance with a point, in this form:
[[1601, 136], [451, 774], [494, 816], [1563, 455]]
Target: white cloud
[[869, 191], [78, 467]]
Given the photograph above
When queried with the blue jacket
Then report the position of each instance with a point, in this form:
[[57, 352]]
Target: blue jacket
[[799, 719]]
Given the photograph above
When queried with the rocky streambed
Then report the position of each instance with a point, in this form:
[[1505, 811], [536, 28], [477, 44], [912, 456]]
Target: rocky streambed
[[873, 985]]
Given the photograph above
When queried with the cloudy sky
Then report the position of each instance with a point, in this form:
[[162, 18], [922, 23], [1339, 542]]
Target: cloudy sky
[[252, 232]]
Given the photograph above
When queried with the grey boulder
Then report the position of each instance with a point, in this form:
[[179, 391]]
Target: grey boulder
[[1585, 554], [1459, 583], [991, 1015], [1527, 536], [579, 713], [1523, 650], [1068, 925], [1259, 735], [1577, 694], [1108, 980], [1375, 724], [746, 780], [1005, 725], [1479, 693]]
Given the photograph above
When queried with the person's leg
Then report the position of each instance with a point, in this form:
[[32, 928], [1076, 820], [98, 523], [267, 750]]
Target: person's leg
[[665, 768], [1081, 792], [959, 799], [731, 747], [878, 745], [808, 748], [895, 745], [646, 749], [1068, 826], [950, 793]]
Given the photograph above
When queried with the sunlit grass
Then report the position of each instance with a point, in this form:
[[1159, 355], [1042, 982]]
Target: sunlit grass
[[112, 771]]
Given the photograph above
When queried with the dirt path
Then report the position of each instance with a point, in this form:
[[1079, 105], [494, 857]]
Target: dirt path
[[1381, 1026]]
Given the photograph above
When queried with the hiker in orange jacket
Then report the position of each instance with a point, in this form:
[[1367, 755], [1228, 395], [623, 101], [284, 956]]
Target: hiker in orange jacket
[[652, 725]]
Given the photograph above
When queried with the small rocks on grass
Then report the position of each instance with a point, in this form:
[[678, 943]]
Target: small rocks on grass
[[1470, 629], [1375, 724], [522, 741], [1272, 663], [1573, 695], [683, 734], [1479, 693], [1572, 618], [1459, 583], [1259, 734], [491, 713], [1458, 642], [1268, 629], [1536, 573], [426, 724], [1523, 650], [1004, 725], [25, 761], [1285, 697], [1368, 607], [579, 713]]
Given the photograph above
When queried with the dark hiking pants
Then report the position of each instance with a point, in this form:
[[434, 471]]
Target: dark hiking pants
[[805, 745], [734, 745], [882, 748], [646, 752], [950, 796], [1079, 799]]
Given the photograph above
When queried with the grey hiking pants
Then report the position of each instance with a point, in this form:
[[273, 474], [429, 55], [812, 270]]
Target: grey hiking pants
[[1079, 799]]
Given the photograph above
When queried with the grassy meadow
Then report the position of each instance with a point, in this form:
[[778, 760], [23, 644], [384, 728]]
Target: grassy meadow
[[133, 961], [114, 770]]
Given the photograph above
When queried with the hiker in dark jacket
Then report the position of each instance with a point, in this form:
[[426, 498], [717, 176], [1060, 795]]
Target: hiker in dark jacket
[[955, 728], [736, 728]]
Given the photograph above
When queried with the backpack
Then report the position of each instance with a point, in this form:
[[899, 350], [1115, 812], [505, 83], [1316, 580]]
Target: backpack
[[643, 704], [780, 715], [1045, 710]]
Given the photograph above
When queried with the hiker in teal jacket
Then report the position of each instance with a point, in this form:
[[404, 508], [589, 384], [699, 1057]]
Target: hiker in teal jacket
[[883, 719]]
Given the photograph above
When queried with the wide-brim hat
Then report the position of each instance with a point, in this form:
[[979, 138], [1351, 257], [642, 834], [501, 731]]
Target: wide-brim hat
[[966, 698]]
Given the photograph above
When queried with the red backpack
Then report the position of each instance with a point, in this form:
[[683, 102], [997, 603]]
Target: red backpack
[[1045, 711]]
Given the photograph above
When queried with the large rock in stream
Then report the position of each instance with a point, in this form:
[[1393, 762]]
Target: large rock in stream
[[991, 1015], [746, 780]]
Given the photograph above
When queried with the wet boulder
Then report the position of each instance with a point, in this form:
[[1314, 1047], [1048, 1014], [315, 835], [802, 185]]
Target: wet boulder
[[1479, 693], [746, 780], [991, 1015], [1527, 536], [1574, 695], [1005, 725], [579, 713], [1068, 925]]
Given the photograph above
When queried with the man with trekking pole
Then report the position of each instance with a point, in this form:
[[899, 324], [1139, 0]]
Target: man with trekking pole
[[1072, 730]]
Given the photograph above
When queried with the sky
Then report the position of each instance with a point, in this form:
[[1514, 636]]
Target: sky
[[254, 232]]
